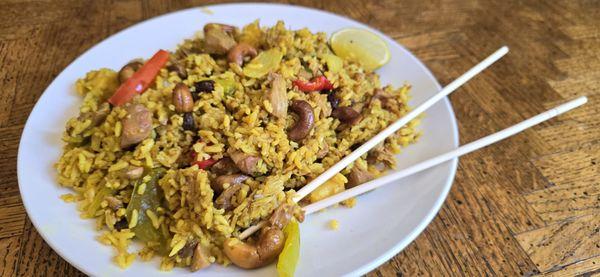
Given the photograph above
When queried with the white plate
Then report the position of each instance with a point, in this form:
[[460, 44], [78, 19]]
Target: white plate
[[382, 223]]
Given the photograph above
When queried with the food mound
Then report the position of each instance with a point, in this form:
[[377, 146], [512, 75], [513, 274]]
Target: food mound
[[186, 150]]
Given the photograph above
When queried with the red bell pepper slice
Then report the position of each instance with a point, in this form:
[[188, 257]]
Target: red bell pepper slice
[[315, 84], [141, 79], [205, 163]]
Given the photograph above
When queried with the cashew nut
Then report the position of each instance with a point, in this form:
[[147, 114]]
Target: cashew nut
[[255, 255], [305, 122], [239, 52]]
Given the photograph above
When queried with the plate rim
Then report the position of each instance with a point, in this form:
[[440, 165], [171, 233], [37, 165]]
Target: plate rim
[[368, 266]]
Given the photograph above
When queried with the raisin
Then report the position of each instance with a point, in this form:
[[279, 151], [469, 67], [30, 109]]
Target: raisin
[[188, 122], [121, 224], [333, 100], [205, 86]]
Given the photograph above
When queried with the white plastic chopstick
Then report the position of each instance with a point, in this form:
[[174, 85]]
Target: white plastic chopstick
[[465, 149], [392, 128], [343, 163]]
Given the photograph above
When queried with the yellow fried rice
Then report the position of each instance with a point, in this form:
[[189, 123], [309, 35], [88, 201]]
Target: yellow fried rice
[[235, 116]]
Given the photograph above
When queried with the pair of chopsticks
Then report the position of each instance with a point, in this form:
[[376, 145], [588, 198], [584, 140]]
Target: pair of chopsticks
[[465, 149]]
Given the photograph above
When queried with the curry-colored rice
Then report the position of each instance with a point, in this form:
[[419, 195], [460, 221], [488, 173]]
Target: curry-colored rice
[[233, 117]]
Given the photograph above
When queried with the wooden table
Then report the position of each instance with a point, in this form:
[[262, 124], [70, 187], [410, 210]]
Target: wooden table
[[529, 205]]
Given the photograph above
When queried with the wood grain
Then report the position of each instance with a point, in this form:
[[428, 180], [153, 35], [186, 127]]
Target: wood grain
[[587, 267], [36, 258], [9, 255], [526, 206], [562, 243]]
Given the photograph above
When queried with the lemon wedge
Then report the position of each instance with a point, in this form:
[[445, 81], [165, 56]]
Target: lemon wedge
[[288, 259], [361, 46]]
